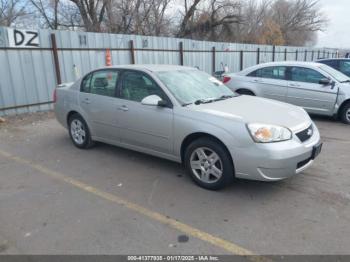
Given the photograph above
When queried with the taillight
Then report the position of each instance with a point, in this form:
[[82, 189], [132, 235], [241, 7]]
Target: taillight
[[226, 79], [54, 96]]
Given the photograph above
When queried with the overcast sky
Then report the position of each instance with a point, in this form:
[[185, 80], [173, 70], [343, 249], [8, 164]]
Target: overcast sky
[[338, 31]]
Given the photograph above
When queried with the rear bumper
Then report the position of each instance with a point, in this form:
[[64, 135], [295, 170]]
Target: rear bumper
[[275, 161]]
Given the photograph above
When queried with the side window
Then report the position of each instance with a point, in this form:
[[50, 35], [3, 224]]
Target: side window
[[253, 74], [307, 75], [277, 72], [136, 86], [104, 82], [85, 84]]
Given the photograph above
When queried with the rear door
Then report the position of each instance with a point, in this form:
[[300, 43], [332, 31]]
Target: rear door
[[270, 82], [305, 90], [98, 101], [144, 126]]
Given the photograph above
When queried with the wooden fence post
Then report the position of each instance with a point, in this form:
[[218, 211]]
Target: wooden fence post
[[273, 53], [285, 54], [241, 60], [305, 56], [181, 53], [132, 52], [213, 59], [296, 55], [55, 58], [258, 56]]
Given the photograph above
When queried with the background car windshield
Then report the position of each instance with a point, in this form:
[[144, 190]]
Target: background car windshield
[[191, 85], [339, 76]]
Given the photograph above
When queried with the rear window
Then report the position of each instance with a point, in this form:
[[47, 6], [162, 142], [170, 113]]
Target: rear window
[[101, 82], [85, 84], [275, 72]]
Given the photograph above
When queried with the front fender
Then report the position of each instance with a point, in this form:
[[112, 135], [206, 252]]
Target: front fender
[[231, 133], [343, 97]]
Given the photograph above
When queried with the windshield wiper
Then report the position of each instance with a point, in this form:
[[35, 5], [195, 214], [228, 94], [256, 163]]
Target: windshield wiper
[[224, 97], [346, 81], [209, 100], [204, 101]]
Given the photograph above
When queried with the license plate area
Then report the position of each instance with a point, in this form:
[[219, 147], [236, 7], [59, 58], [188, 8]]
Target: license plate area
[[316, 150]]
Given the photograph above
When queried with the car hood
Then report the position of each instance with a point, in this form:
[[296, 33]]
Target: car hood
[[251, 109]]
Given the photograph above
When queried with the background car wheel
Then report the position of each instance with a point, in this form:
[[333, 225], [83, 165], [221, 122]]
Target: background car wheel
[[209, 164], [245, 92], [79, 132], [345, 114]]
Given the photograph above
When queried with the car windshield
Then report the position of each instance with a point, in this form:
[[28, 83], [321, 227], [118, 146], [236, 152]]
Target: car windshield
[[189, 86], [339, 76]]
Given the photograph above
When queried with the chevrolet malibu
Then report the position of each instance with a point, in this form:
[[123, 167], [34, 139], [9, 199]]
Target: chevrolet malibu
[[185, 115]]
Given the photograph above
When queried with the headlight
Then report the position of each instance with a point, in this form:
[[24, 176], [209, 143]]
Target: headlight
[[262, 133]]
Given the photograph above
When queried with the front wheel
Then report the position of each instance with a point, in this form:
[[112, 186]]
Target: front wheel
[[209, 164], [345, 114], [79, 132]]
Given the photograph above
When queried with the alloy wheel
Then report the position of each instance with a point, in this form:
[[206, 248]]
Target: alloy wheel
[[347, 114], [78, 132], [206, 165]]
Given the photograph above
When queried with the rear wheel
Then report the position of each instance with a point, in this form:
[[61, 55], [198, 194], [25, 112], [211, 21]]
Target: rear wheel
[[245, 92], [209, 164], [79, 132], [345, 114]]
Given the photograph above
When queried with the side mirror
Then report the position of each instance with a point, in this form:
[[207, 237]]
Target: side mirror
[[153, 100], [325, 82]]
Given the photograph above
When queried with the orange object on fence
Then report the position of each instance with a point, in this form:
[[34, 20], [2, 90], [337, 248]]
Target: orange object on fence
[[108, 58]]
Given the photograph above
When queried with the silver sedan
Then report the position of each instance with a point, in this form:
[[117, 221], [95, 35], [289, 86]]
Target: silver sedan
[[316, 87], [187, 116]]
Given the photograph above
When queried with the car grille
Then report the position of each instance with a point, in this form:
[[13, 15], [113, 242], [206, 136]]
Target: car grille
[[305, 134]]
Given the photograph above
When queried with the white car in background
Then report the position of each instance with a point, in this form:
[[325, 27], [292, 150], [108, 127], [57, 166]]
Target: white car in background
[[316, 87]]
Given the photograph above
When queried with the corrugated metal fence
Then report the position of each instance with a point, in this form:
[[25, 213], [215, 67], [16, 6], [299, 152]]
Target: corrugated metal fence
[[29, 73]]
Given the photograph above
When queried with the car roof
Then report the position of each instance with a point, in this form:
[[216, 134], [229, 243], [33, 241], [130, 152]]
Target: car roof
[[283, 63], [290, 63], [330, 59], [152, 67]]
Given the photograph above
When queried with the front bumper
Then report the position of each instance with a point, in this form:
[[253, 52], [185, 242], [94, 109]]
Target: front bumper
[[275, 161]]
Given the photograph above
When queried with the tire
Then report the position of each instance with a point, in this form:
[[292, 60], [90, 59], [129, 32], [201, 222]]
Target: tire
[[204, 173], [245, 92], [79, 132], [345, 114]]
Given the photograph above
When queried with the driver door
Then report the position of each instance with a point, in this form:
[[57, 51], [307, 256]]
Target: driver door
[[305, 90], [143, 126]]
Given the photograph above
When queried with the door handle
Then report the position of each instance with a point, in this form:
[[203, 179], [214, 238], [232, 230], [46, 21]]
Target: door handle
[[87, 101], [123, 108]]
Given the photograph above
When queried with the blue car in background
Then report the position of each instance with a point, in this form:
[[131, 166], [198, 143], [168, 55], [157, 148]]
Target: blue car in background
[[340, 64]]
